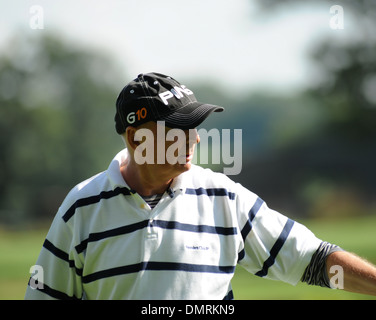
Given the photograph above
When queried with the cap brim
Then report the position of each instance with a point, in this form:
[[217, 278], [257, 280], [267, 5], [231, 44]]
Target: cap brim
[[191, 115]]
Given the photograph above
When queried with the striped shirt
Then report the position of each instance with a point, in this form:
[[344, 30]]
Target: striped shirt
[[153, 200], [106, 242]]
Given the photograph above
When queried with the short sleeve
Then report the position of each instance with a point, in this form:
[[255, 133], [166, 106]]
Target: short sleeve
[[60, 265], [273, 245]]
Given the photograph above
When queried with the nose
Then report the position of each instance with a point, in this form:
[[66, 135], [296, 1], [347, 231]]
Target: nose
[[192, 137]]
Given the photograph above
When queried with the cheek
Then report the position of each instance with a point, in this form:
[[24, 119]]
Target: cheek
[[178, 146]]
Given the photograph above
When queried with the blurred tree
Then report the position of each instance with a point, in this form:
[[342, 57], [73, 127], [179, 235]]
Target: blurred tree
[[57, 105], [338, 160]]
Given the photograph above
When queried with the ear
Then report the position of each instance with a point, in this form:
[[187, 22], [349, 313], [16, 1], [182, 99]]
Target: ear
[[130, 138]]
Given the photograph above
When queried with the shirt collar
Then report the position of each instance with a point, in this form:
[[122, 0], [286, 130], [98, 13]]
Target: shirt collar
[[113, 171], [117, 180]]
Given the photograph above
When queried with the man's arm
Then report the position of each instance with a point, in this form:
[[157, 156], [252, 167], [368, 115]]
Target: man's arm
[[60, 264], [359, 275]]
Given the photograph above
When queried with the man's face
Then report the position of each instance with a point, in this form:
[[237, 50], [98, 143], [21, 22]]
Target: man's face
[[166, 149]]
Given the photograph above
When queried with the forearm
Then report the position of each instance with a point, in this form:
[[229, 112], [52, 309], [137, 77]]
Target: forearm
[[358, 275]]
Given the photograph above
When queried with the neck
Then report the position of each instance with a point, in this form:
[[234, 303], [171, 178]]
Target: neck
[[144, 180]]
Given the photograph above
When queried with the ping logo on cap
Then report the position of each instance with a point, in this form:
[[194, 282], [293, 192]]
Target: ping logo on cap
[[176, 91]]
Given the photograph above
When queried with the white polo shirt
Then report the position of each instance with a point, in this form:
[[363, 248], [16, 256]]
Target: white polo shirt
[[107, 243]]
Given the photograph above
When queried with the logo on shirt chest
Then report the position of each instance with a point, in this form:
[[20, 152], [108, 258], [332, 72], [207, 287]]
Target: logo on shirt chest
[[197, 247]]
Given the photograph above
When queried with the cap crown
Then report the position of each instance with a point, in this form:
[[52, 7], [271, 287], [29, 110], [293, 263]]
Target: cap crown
[[150, 97]]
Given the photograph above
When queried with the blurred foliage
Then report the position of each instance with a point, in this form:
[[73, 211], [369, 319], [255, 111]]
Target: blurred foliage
[[56, 123], [331, 172], [314, 154]]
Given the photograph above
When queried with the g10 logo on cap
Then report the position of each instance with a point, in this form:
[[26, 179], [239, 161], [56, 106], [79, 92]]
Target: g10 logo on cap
[[138, 115]]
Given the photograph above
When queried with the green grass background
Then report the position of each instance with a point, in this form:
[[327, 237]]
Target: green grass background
[[19, 250]]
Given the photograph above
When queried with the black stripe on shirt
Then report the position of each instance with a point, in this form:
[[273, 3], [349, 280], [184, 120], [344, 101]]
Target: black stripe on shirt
[[61, 254], [276, 248], [94, 199], [111, 233], [226, 231], [42, 287], [229, 296], [248, 225], [211, 192], [156, 266], [251, 215]]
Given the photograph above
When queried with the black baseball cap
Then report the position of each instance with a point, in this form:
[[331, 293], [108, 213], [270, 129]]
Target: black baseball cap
[[157, 97]]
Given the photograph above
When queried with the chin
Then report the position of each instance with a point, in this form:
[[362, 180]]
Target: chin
[[184, 167]]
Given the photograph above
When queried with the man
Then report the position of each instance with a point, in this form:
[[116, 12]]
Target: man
[[154, 226]]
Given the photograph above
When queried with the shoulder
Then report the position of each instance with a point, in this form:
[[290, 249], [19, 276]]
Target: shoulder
[[105, 181], [198, 177], [88, 188], [206, 177]]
